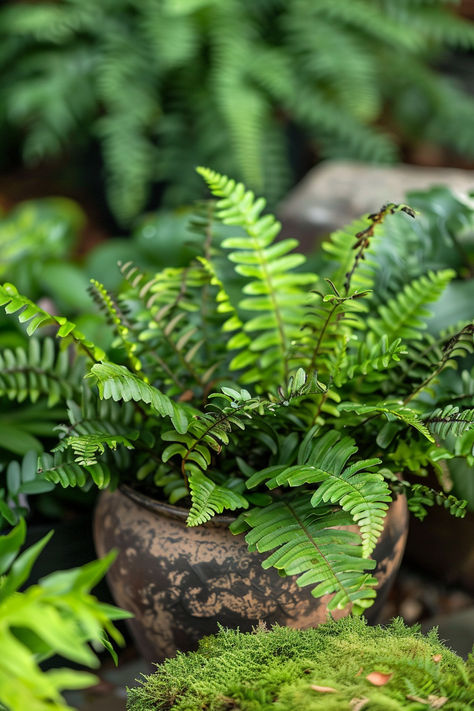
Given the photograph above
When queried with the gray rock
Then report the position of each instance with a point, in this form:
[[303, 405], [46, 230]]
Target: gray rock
[[336, 192]]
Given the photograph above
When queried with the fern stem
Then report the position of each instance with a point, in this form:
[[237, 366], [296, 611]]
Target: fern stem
[[312, 364]]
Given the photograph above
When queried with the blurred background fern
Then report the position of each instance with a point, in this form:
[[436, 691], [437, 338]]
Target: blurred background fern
[[257, 90]]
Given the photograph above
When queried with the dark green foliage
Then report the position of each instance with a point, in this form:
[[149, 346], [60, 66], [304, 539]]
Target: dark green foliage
[[345, 390], [318, 669], [165, 85]]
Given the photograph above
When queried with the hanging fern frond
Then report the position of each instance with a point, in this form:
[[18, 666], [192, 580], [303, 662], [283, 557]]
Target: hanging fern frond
[[404, 315], [209, 499], [275, 291], [28, 312], [308, 545], [39, 371], [449, 420], [116, 382], [209, 432]]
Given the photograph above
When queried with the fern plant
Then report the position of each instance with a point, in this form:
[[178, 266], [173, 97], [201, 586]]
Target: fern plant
[[151, 79], [241, 382]]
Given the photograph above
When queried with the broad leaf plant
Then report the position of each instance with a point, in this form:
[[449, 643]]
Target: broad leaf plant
[[242, 382]]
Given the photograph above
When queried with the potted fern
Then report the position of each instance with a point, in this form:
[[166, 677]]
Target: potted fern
[[241, 384]]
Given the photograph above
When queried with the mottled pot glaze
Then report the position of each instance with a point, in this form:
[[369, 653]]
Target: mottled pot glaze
[[181, 582]]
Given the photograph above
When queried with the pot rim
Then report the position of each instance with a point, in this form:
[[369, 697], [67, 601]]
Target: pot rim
[[159, 508]]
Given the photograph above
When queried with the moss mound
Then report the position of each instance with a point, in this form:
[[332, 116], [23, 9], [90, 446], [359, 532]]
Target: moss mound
[[332, 668]]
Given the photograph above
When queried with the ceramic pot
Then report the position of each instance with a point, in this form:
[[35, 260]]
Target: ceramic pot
[[180, 583]]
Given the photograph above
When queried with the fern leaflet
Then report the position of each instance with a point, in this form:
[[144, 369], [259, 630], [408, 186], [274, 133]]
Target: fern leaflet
[[209, 498]]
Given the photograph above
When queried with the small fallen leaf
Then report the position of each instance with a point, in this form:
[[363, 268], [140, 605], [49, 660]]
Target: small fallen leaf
[[323, 689], [410, 697], [358, 704], [434, 702], [436, 658], [378, 678]]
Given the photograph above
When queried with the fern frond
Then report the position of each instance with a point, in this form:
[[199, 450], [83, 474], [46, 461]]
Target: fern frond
[[275, 292], [449, 420], [37, 371], [116, 382], [404, 315], [116, 319], [338, 311], [420, 496], [373, 354], [233, 321], [208, 432], [363, 494], [29, 312], [209, 499], [175, 334], [392, 411], [86, 447], [309, 546], [458, 346], [69, 473]]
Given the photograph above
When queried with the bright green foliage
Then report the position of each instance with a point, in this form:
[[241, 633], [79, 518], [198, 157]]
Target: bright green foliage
[[166, 85], [56, 616], [284, 669], [238, 383], [275, 293], [391, 411]]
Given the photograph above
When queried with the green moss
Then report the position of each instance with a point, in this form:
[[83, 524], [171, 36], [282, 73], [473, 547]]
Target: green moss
[[277, 669]]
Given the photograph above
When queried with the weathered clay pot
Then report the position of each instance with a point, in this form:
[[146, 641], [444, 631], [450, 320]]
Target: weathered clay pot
[[181, 582]]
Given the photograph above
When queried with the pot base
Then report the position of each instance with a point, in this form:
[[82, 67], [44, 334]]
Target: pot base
[[181, 583]]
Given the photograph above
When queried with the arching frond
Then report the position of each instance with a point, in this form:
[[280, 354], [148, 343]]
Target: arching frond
[[116, 382], [308, 545], [32, 314]]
